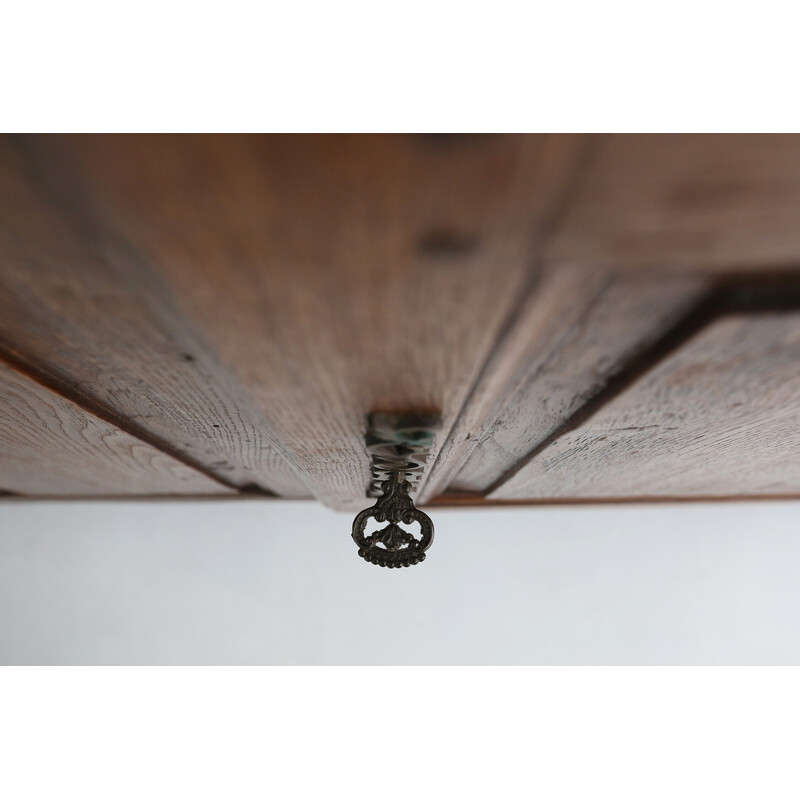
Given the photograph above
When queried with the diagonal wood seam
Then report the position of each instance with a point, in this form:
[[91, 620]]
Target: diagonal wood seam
[[439, 474], [99, 410], [730, 294], [76, 213]]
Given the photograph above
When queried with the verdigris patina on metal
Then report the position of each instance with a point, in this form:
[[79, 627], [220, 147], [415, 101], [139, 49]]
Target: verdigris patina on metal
[[399, 446]]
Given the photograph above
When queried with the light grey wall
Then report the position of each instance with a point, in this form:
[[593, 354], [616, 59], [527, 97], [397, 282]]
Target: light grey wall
[[264, 582]]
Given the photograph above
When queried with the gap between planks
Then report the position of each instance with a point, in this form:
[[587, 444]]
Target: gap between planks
[[42, 377], [773, 292]]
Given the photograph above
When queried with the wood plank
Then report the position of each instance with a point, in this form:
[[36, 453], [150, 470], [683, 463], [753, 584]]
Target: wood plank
[[51, 446], [338, 275], [718, 418], [81, 308], [467, 500], [573, 335], [711, 201]]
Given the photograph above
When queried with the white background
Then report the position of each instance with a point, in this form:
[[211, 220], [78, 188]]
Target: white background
[[277, 582]]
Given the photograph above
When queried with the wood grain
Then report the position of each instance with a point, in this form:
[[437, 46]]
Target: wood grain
[[574, 333], [718, 418], [50, 446], [82, 309], [338, 275], [709, 201], [243, 302]]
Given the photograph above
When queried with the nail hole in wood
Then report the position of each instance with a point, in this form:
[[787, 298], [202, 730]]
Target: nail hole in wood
[[446, 243]]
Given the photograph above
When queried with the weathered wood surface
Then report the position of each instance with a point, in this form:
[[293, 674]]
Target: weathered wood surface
[[338, 275], [50, 446], [81, 306], [242, 302], [716, 202], [575, 333], [718, 418]]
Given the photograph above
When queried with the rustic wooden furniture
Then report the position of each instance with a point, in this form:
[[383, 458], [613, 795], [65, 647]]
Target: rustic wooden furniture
[[610, 317]]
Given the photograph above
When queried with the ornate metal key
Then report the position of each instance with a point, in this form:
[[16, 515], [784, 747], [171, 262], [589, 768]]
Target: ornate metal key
[[399, 445]]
